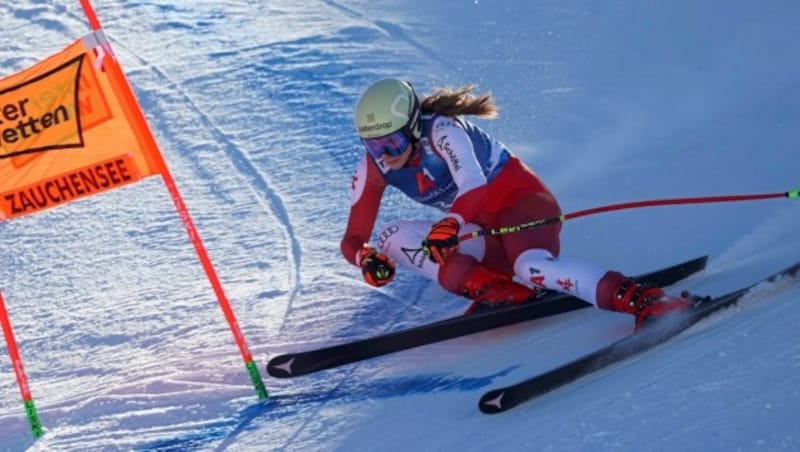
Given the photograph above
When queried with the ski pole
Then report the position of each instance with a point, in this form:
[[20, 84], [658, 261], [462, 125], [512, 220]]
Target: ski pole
[[791, 194]]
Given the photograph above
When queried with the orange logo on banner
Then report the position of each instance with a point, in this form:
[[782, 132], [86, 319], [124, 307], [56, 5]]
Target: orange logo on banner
[[63, 120]]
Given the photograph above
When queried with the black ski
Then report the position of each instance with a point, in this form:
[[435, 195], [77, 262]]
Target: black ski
[[302, 363], [502, 399]]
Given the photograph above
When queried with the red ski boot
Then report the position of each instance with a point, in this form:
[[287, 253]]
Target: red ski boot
[[645, 301], [489, 289]]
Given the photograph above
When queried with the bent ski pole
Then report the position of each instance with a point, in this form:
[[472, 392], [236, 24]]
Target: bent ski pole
[[791, 194]]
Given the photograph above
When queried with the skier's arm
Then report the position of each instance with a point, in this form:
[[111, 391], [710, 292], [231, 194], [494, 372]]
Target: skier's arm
[[452, 142], [365, 197]]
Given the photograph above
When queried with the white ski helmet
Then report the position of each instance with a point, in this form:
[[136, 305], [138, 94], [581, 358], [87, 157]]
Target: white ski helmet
[[387, 106]]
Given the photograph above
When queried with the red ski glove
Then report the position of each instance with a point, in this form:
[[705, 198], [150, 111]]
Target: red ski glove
[[442, 241], [377, 268]]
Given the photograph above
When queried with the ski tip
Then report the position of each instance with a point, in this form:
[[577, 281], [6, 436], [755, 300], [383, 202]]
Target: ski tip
[[493, 402], [281, 366], [697, 264]]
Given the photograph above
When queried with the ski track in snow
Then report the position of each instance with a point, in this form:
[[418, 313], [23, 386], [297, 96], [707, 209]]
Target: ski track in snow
[[259, 184]]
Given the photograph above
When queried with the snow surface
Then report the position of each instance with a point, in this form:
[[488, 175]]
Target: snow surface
[[125, 346]]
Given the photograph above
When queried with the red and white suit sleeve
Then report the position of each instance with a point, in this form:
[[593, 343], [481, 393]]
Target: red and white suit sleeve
[[366, 192], [452, 142]]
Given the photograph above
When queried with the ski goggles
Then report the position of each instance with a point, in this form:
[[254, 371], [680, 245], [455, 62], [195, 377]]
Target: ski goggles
[[393, 144]]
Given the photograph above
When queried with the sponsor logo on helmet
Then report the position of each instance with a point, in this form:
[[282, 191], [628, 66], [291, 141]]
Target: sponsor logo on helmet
[[396, 107], [373, 127]]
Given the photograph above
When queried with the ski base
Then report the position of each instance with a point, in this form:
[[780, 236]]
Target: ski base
[[503, 399]]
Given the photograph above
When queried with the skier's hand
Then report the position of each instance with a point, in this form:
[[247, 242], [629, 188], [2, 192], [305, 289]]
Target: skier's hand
[[377, 268], [442, 241]]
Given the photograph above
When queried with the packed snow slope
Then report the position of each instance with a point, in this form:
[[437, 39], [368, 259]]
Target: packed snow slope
[[123, 341]]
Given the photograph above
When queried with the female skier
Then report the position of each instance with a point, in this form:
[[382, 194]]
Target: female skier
[[427, 150]]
